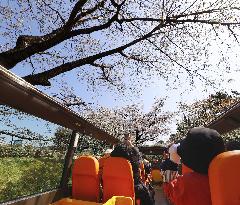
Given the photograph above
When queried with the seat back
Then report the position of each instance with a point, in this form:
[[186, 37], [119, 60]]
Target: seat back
[[224, 178], [85, 179], [117, 178], [101, 162]]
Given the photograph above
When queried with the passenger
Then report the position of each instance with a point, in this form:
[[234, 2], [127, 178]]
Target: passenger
[[147, 165], [104, 157], [102, 161], [131, 153], [155, 164], [233, 145], [197, 150], [168, 168], [107, 153]]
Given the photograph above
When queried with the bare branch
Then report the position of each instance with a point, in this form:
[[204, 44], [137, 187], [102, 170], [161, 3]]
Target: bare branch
[[87, 12], [189, 7], [173, 60], [20, 136], [43, 78], [57, 12], [210, 22], [234, 35], [105, 74], [78, 6], [30, 60], [197, 13], [134, 57]]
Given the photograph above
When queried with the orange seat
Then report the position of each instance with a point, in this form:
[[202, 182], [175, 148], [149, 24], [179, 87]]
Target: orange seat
[[85, 179], [156, 176], [186, 169], [224, 178], [101, 162], [117, 178]]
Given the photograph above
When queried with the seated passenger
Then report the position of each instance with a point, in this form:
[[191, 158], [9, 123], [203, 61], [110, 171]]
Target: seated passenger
[[102, 160], [107, 153], [147, 165], [155, 164], [168, 168], [197, 150], [131, 153]]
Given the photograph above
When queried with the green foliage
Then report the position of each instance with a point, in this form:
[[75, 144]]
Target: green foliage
[[61, 139], [7, 150], [202, 112], [232, 136], [86, 145], [25, 176]]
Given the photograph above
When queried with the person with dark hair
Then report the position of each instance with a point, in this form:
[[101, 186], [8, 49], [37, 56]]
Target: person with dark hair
[[168, 168], [155, 164], [147, 165], [197, 150], [131, 153], [233, 145]]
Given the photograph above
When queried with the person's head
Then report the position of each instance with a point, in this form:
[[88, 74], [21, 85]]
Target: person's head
[[199, 147], [165, 155], [128, 137], [107, 152], [173, 155], [233, 145], [128, 140]]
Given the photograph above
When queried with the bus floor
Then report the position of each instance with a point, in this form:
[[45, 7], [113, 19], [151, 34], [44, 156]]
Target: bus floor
[[160, 198]]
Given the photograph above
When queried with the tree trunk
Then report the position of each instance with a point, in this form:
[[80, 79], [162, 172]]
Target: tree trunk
[[27, 46]]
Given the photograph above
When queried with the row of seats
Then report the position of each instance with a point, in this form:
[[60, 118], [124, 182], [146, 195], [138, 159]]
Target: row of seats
[[117, 179], [116, 200], [224, 179]]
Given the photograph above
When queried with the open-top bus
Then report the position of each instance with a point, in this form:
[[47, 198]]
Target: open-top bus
[[29, 120]]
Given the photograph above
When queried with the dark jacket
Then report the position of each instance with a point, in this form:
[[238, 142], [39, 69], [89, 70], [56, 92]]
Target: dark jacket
[[167, 164], [132, 154]]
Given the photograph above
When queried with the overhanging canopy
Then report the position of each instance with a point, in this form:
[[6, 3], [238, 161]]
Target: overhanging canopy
[[228, 121], [18, 94], [152, 150]]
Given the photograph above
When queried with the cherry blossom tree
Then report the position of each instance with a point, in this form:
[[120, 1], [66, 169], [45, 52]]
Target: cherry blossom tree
[[107, 40]]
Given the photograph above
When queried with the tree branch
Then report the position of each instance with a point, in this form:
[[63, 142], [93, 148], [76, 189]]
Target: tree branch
[[78, 6], [210, 22], [57, 12], [22, 137], [234, 35], [44, 77], [85, 13], [27, 46]]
